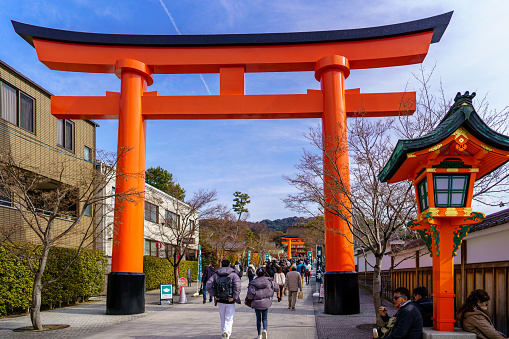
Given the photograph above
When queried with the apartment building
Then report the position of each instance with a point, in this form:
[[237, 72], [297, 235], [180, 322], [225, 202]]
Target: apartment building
[[41, 143], [166, 219]]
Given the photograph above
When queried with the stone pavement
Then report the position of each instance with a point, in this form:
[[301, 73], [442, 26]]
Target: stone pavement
[[192, 320], [349, 326], [198, 320]]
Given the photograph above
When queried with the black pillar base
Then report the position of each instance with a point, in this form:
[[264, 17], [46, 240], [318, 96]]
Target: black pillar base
[[125, 293], [341, 292]]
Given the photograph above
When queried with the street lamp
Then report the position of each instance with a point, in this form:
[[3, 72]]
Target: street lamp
[[443, 166]]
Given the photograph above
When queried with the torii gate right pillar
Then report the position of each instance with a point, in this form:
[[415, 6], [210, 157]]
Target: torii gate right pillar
[[341, 285]]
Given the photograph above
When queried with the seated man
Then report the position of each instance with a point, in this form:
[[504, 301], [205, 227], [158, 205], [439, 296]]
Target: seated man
[[408, 322], [424, 305]]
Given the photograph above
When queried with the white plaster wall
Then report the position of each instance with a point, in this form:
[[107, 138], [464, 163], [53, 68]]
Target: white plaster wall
[[488, 245]]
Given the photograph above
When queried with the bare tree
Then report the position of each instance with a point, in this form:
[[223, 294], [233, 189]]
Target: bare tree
[[52, 204], [224, 233], [179, 226], [373, 211], [432, 106]]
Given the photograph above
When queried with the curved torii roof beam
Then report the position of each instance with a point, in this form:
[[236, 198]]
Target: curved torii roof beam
[[383, 46]]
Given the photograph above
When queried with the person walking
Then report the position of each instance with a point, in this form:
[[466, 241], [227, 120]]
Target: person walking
[[307, 275], [225, 286], [473, 318], [279, 279], [209, 272], [293, 284], [260, 291], [251, 272]]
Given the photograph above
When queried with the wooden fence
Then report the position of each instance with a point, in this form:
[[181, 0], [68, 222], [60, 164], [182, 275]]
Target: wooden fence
[[491, 277]]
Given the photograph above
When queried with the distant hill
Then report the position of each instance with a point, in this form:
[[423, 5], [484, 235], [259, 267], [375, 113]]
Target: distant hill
[[281, 224]]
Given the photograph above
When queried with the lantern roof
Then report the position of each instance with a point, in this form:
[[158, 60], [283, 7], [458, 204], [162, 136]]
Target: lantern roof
[[461, 118]]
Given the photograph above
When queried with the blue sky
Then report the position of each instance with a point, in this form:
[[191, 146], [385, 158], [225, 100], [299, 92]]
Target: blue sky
[[252, 155]]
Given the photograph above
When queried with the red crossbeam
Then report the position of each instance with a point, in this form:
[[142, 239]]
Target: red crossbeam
[[291, 106]]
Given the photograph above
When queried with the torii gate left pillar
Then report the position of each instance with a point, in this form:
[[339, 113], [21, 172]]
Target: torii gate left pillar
[[135, 58]]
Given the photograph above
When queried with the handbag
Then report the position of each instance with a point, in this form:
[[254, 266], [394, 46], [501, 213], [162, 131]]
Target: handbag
[[200, 292], [248, 302], [286, 292], [300, 295]]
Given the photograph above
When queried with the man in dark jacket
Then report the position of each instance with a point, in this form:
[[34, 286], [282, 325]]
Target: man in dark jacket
[[424, 305], [209, 272], [227, 305], [408, 318]]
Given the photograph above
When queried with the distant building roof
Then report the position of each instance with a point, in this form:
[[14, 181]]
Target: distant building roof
[[295, 232]]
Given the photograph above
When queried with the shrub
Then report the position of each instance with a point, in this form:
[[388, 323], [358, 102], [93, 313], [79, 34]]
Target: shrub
[[84, 278], [158, 271]]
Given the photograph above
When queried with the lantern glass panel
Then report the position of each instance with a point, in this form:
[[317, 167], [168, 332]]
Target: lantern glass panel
[[450, 189], [441, 199], [441, 183], [422, 189]]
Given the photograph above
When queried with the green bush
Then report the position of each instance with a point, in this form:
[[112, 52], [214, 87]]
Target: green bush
[[84, 278], [16, 283], [158, 271]]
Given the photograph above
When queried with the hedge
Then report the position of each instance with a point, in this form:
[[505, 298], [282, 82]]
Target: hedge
[[159, 271], [84, 278]]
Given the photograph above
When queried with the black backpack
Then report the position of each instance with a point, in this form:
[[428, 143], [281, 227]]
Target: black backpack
[[223, 287]]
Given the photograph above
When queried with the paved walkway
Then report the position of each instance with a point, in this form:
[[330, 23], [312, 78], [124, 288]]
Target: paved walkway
[[192, 320], [198, 320]]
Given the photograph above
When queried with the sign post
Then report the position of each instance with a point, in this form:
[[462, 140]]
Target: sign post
[[198, 277], [319, 271], [248, 257], [166, 294], [310, 260], [267, 257]]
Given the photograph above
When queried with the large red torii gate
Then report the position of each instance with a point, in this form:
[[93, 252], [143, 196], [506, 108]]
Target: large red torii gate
[[135, 58]]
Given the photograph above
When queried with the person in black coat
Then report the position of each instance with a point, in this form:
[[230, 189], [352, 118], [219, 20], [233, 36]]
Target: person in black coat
[[408, 318], [424, 305], [209, 272]]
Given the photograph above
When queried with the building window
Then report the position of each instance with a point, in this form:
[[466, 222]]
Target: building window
[[87, 154], [4, 198], [154, 250], [422, 188], [113, 197], [88, 211], [17, 107], [450, 190], [150, 212], [172, 219], [191, 225], [147, 247], [65, 134]]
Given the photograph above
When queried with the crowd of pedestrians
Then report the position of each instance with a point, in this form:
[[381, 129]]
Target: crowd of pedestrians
[[286, 278], [223, 286]]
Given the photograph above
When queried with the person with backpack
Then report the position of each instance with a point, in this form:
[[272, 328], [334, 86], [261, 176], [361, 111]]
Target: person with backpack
[[259, 296], [225, 286]]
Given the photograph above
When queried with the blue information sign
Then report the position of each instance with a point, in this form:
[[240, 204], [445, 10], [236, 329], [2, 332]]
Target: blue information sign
[[166, 294], [248, 257], [266, 257], [310, 260], [319, 263]]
